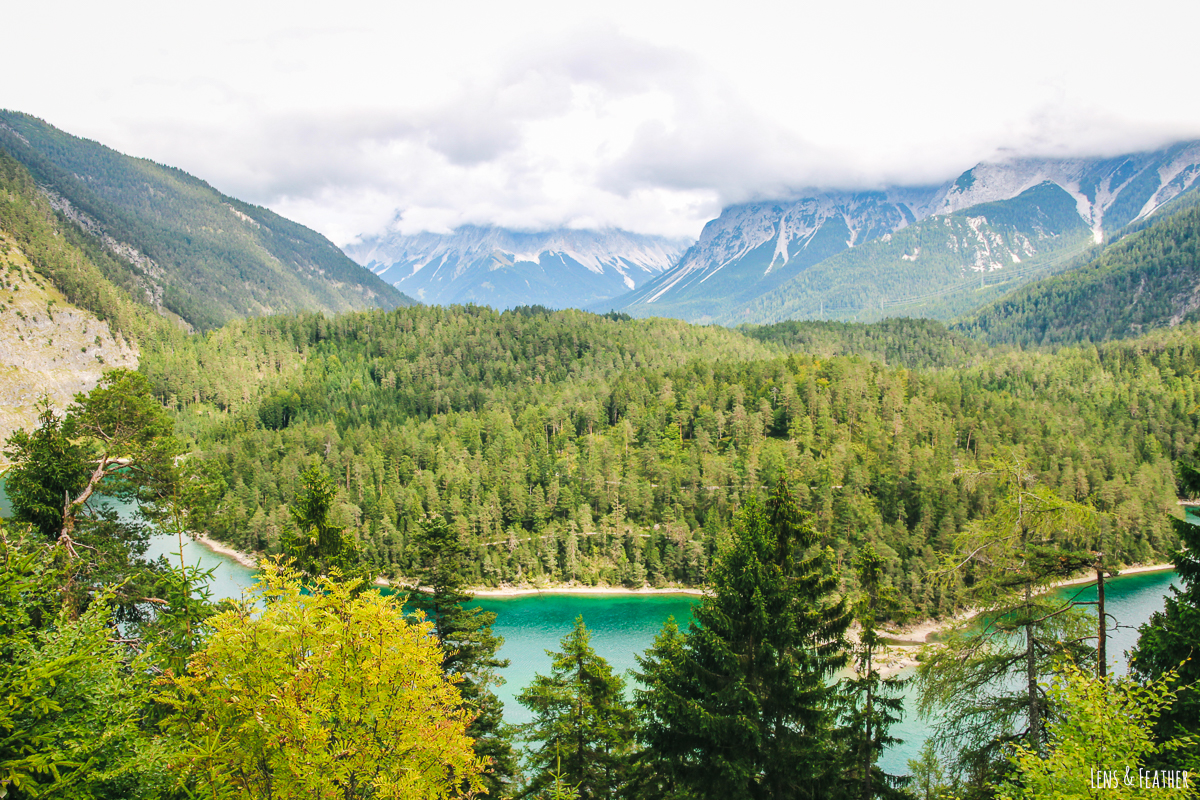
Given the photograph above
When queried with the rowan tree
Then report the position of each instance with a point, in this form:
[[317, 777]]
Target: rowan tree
[[1100, 741], [324, 692]]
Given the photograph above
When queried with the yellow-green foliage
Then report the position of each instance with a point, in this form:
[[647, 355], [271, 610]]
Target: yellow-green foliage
[[1102, 745], [322, 693]]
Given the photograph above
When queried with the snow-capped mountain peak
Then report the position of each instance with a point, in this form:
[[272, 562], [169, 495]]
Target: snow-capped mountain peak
[[502, 267]]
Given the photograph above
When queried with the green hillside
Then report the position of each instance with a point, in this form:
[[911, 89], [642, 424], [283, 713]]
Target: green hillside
[[87, 274], [899, 341], [191, 250], [1149, 279], [940, 267], [570, 446]]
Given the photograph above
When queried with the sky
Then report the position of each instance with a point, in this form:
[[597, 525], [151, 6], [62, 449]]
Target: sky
[[359, 117]]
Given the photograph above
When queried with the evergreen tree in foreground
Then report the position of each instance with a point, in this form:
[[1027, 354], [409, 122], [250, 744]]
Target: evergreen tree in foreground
[[582, 727], [469, 648], [1170, 641], [742, 706], [873, 703]]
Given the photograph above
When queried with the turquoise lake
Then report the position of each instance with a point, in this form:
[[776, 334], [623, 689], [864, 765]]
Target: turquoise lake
[[624, 626]]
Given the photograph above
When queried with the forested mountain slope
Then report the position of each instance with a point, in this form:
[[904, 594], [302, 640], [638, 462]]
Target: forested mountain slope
[[193, 251], [62, 321], [568, 446], [1149, 279], [898, 342]]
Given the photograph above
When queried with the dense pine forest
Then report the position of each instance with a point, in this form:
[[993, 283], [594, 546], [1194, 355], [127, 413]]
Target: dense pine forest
[[565, 446]]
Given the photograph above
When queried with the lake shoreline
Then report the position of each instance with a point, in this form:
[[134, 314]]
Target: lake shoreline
[[250, 561], [905, 636], [919, 633], [245, 559]]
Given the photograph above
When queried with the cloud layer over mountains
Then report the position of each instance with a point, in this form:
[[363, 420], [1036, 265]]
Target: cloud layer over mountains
[[647, 116]]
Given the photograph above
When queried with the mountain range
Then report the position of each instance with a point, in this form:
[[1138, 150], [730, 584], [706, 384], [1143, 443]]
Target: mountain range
[[503, 268], [951, 251], [937, 251], [190, 252]]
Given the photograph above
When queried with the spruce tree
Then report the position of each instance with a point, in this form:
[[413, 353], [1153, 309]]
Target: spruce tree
[[469, 647], [748, 712], [652, 774], [582, 726], [318, 544], [49, 467]]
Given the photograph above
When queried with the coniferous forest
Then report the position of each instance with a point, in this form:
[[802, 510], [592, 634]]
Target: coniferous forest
[[824, 482], [570, 447]]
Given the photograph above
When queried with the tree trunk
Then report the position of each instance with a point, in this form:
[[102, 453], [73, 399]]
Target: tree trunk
[[867, 743], [1102, 632], [1035, 716]]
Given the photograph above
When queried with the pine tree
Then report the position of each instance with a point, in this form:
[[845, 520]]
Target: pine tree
[[115, 442], [749, 711], [582, 726], [469, 647]]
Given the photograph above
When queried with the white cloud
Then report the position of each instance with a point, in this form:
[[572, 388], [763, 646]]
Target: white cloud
[[644, 115]]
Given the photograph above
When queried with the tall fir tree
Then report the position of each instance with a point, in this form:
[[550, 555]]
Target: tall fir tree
[[469, 646], [653, 775], [872, 702], [743, 708], [318, 544], [582, 727]]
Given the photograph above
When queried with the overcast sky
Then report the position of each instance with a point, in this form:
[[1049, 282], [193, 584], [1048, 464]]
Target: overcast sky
[[355, 116]]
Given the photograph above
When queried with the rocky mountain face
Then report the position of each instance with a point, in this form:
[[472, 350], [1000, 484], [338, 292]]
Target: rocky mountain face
[[764, 261], [504, 268], [49, 349], [1149, 279]]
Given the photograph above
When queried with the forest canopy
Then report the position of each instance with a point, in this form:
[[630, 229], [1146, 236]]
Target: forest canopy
[[566, 446]]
